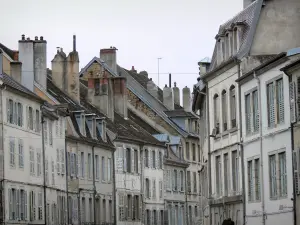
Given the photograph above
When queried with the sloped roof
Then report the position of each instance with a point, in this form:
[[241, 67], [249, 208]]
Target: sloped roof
[[143, 80], [15, 85], [249, 17], [8, 51]]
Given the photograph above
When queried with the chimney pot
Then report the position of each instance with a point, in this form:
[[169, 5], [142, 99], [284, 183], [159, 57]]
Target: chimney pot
[[150, 78], [41, 38], [28, 39], [166, 85], [132, 68], [23, 37], [36, 38], [175, 84], [74, 43]]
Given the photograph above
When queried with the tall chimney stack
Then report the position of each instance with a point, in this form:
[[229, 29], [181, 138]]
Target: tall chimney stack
[[74, 43], [176, 93], [109, 56], [168, 98], [170, 80], [120, 96], [186, 99]]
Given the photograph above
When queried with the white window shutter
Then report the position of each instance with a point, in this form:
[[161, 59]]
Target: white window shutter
[[139, 162], [125, 160], [132, 160], [27, 117], [292, 102], [78, 164], [271, 106], [280, 98]]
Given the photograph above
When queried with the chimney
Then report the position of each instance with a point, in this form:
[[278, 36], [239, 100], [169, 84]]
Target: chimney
[[203, 67], [16, 71], [72, 73], [144, 73], [176, 94], [40, 62], [152, 88], [170, 79], [1, 62], [168, 98], [120, 96], [26, 56], [186, 99], [59, 70], [133, 70], [109, 56]]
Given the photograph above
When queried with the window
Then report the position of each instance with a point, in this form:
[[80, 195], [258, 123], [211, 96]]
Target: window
[[196, 211], [30, 118], [235, 171], [194, 152], [154, 217], [23, 205], [32, 202], [181, 181], [57, 162], [91, 209], [39, 164], [40, 206], [12, 204], [252, 112], [217, 113], [195, 181], [61, 127], [224, 110], [174, 180], [136, 161], [82, 165], [10, 111], [160, 160], [154, 189], [121, 207], [128, 160], [148, 217], [89, 166], [46, 171], [46, 132], [83, 210], [21, 154], [168, 180], [250, 181], [135, 210], [37, 121], [108, 169], [146, 158], [97, 167], [12, 151], [282, 174], [187, 144], [52, 172], [50, 133], [147, 188], [153, 159], [218, 175], [103, 168], [20, 114], [275, 101], [232, 107], [257, 179], [189, 181], [31, 154], [129, 202], [226, 174], [62, 156], [272, 172], [160, 189], [190, 215]]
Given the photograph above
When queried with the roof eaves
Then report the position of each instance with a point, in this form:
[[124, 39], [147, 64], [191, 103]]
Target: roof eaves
[[291, 66]]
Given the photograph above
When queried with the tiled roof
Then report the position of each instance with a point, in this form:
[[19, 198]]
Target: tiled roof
[[8, 51], [249, 17], [10, 82], [143, 80]]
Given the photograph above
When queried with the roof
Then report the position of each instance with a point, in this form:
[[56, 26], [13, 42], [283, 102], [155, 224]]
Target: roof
[[249, 17], [290, 66], [143, 80], [8, 51], [179, 113], [15, 85]]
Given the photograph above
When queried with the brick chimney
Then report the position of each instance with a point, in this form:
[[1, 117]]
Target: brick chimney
[[176, 93], [65, 71], [109, 56], [133, 69], [186, 99], [120, 96], [33, 56], [168, 98]]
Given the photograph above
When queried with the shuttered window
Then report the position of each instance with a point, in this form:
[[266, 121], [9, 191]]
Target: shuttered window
[[280, 101], [218, 175], [12, 152], [282, 174], [272, 169], [224, 109], [292, 102], [271, 107], [226, 174], [232, 107], [248, 113], [255, 111], [250, 180], [257, 179], [217, 113]]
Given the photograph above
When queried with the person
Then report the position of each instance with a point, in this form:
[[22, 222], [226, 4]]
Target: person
[[228, 222]]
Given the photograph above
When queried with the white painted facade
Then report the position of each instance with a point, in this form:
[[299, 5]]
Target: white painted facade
[[226, 172], [275, 140]]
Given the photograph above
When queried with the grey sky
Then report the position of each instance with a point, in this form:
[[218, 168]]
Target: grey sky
[[181, 32]]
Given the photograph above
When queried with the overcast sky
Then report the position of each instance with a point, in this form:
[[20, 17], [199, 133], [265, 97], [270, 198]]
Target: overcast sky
[[180, 31]]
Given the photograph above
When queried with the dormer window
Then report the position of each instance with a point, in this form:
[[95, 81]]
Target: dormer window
[[228, 45], [235, 38], [80, 119], [221, 50], [101, 128], [91, 123]]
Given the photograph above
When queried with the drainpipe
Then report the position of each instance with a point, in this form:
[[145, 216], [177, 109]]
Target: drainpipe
[[79, 206], [294, 187], [142, 183], [44, 169], [261, 150], [241, 145], [209, 154], [67, 178], [94, 184], [114, 187], [186, 203], [3, 167]]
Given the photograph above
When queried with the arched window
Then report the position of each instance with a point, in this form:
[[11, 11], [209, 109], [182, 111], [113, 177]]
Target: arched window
[[224, 109], [232, 106], [216, 113]]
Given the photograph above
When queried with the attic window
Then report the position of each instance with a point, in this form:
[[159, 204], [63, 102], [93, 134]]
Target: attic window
[[228, 45], [235, 40], [101, 127], [90, 120], [80, 119]]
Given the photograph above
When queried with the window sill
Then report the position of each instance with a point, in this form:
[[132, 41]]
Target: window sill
[[278, 198], [254, 201]]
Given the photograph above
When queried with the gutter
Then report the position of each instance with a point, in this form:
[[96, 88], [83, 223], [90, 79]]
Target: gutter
[[261, 150]]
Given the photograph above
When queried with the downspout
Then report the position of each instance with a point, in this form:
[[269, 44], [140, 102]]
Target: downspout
[[241, 144], [67, 178], [294, 188], [186, 202], [114, 187], [44, 169], [79, 206], [94, 184], [209, 154], [142, 183], [261, 150]]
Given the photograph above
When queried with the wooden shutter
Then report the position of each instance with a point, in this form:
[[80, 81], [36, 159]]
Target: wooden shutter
[[292, 102], [248, 113], [18, 205], [150, 159], [280, 99], [271, 106]]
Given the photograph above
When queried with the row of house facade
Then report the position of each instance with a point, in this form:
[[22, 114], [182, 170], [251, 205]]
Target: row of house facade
[[247, 100], [100, 145]]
